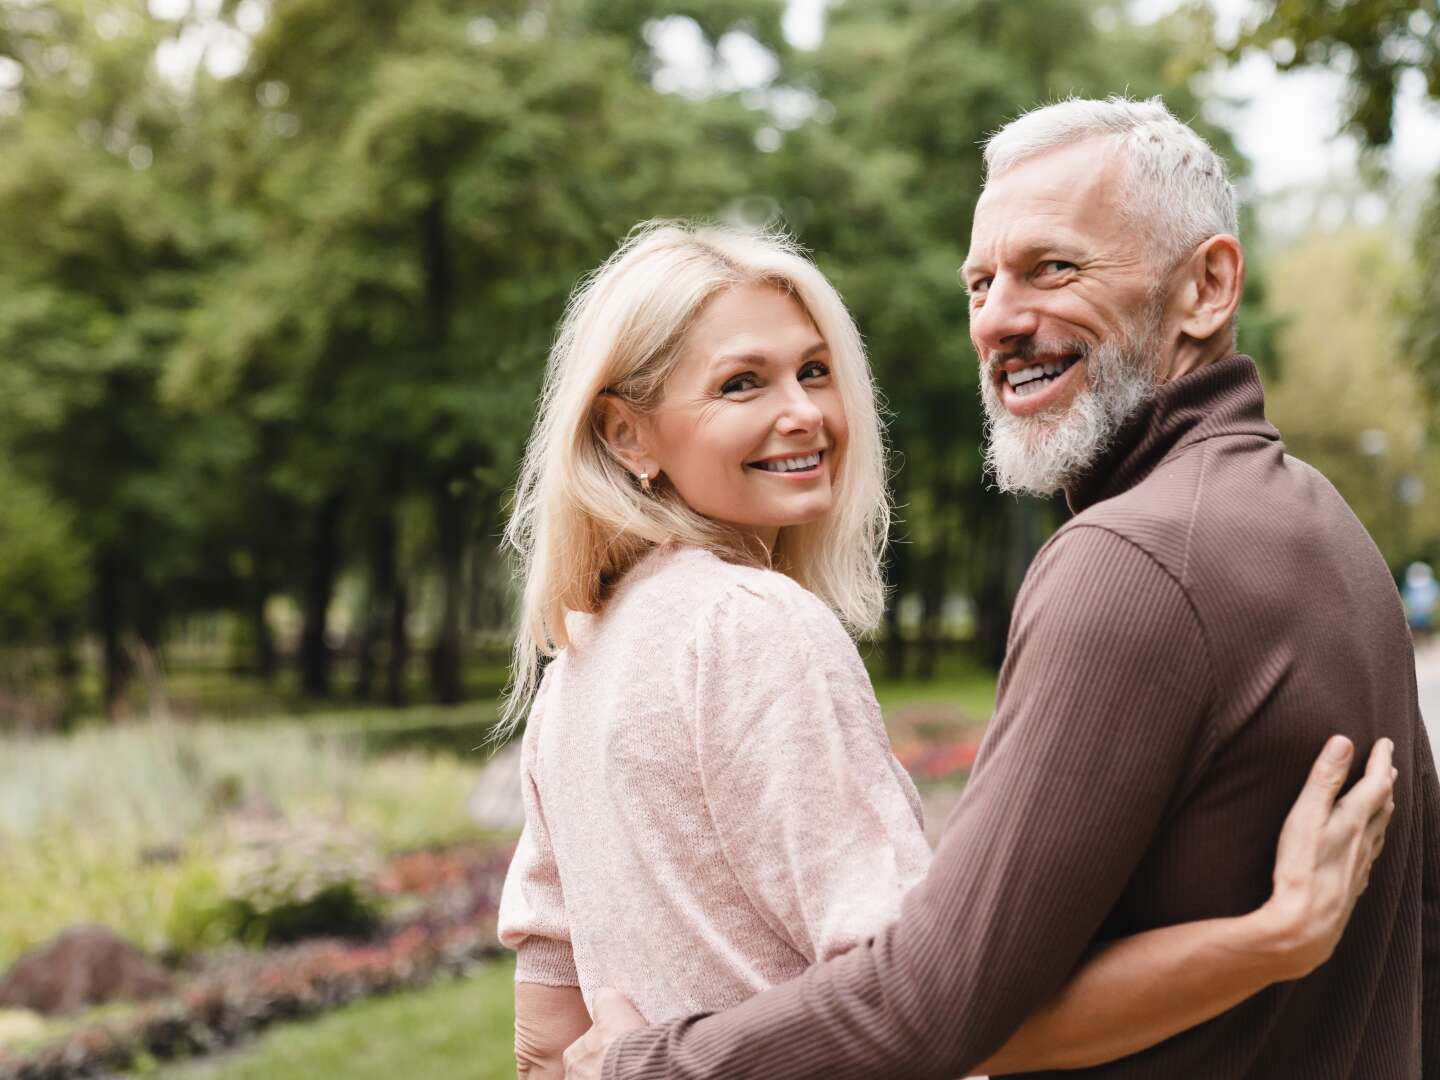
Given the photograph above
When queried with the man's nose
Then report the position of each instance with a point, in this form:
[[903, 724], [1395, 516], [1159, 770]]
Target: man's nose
[[1005, 317]]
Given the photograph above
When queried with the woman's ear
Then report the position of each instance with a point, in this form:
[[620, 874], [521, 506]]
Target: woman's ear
[[1216, 281], [627, 436]]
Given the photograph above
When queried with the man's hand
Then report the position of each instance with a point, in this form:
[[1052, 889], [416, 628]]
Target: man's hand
[[613, 1016]]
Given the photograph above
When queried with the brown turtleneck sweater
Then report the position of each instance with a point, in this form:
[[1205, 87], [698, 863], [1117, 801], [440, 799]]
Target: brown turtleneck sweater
[[1179, 653]]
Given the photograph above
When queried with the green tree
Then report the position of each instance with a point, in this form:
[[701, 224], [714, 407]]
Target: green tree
[[1348, 400], [43, 564], [1377, 43], [425, 192], [101, 238]]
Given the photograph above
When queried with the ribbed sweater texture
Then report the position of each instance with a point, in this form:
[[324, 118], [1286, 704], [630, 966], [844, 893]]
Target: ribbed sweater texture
[[1178, 654]]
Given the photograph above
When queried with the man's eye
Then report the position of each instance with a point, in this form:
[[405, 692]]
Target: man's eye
[[739, 384], [978, 287], [1056, 266], [814, 370]]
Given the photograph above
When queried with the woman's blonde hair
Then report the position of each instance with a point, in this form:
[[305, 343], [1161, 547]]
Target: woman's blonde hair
[[580, 520]]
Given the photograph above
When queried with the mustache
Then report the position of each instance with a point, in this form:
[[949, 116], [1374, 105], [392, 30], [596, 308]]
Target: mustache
[[1034, 350]]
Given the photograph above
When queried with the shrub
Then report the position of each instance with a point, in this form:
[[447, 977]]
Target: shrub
[[282, 883]]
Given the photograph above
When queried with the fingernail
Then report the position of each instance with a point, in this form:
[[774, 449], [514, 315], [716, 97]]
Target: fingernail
[[1394, 773], [1389, 744], [1337, 749]]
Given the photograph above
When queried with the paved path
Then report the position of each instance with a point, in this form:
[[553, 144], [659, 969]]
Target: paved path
[[1427, 673]]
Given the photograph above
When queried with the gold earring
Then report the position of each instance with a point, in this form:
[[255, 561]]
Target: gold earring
[[645, 482]]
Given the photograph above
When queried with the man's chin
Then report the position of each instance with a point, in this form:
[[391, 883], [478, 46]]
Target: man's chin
[[1040, 455]]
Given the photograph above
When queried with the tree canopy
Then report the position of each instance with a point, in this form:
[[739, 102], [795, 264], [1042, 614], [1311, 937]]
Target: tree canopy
[[278, 282]]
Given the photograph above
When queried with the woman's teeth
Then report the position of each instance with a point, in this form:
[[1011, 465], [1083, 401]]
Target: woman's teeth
[[794, 464], [1031, 380]]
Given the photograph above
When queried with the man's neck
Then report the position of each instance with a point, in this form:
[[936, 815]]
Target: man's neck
[[1190, 356]]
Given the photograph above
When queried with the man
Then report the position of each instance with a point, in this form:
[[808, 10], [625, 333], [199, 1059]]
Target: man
[[1172, 666]]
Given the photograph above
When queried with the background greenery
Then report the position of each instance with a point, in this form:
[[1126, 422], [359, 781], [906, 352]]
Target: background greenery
[[272, 319]]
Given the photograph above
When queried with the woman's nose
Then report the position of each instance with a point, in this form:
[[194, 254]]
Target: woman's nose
[[798, 412]]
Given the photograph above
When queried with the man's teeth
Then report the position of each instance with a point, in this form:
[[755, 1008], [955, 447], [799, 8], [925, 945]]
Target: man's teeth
[[794, 464], [1027, 380]]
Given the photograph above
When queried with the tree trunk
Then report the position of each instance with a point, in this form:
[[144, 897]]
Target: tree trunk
[[398, 655], [319, 589], [989, 589], [116, 660], [932, 609], [450, 534], [67, 672], [897, 581], [260, 627], [894, 639], [378, 604], [150, 625], [449, 505]]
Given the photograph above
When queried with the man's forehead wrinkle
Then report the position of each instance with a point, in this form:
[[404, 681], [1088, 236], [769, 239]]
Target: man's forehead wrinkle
[[1025, 237]]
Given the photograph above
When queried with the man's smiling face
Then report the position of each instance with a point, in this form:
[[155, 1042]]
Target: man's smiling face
[[1064, 313]]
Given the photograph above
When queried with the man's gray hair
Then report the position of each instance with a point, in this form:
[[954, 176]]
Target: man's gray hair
[[1176, 189]]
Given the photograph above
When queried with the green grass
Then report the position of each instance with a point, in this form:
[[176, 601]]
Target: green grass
[[959, 681], [197, 688], [460, 1030]]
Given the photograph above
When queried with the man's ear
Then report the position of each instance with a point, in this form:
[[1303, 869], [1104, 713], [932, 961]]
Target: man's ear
[[1215, 279], [626, 435]]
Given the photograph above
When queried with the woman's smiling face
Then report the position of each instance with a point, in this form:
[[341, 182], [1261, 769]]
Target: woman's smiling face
[[751, 425]]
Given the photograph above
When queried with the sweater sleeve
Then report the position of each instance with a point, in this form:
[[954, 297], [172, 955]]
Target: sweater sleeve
[[818, 821], [1430, 899], [532, 918], [1106, 686]]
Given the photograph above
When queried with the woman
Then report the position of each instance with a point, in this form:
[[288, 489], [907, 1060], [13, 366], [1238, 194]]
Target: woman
[[711, 801]]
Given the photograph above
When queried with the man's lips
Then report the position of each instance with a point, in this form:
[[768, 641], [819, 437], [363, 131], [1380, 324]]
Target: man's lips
[[1038, 384]]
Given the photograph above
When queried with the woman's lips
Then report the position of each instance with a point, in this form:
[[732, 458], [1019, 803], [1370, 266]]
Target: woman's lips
[[795, 466]]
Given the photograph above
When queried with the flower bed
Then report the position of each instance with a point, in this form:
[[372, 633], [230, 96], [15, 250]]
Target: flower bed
[[232, 994]]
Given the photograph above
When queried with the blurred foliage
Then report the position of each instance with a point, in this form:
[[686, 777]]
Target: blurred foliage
[[1423, 305], [282, 882], [1373, 41], [1348, 401], [273, 328], [128, 825], [1376, 44], [42, 562]]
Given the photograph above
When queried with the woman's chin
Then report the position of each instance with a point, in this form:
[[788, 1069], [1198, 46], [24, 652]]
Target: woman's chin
[[797, 516]]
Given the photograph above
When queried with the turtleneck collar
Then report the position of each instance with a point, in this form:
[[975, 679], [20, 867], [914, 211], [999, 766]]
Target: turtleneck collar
[[1224, 398]]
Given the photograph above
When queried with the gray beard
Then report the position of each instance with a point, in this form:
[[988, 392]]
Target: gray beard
[[1041, 454]]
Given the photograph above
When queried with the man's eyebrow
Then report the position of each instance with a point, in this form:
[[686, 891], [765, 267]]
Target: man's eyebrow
[[1029, 253]]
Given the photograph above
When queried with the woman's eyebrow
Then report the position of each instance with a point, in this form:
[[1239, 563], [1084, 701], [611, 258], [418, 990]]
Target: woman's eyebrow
[[760, 359]]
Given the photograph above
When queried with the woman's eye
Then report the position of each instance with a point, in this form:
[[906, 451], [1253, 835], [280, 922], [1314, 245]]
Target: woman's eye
[[739, 384], [814, 370]]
